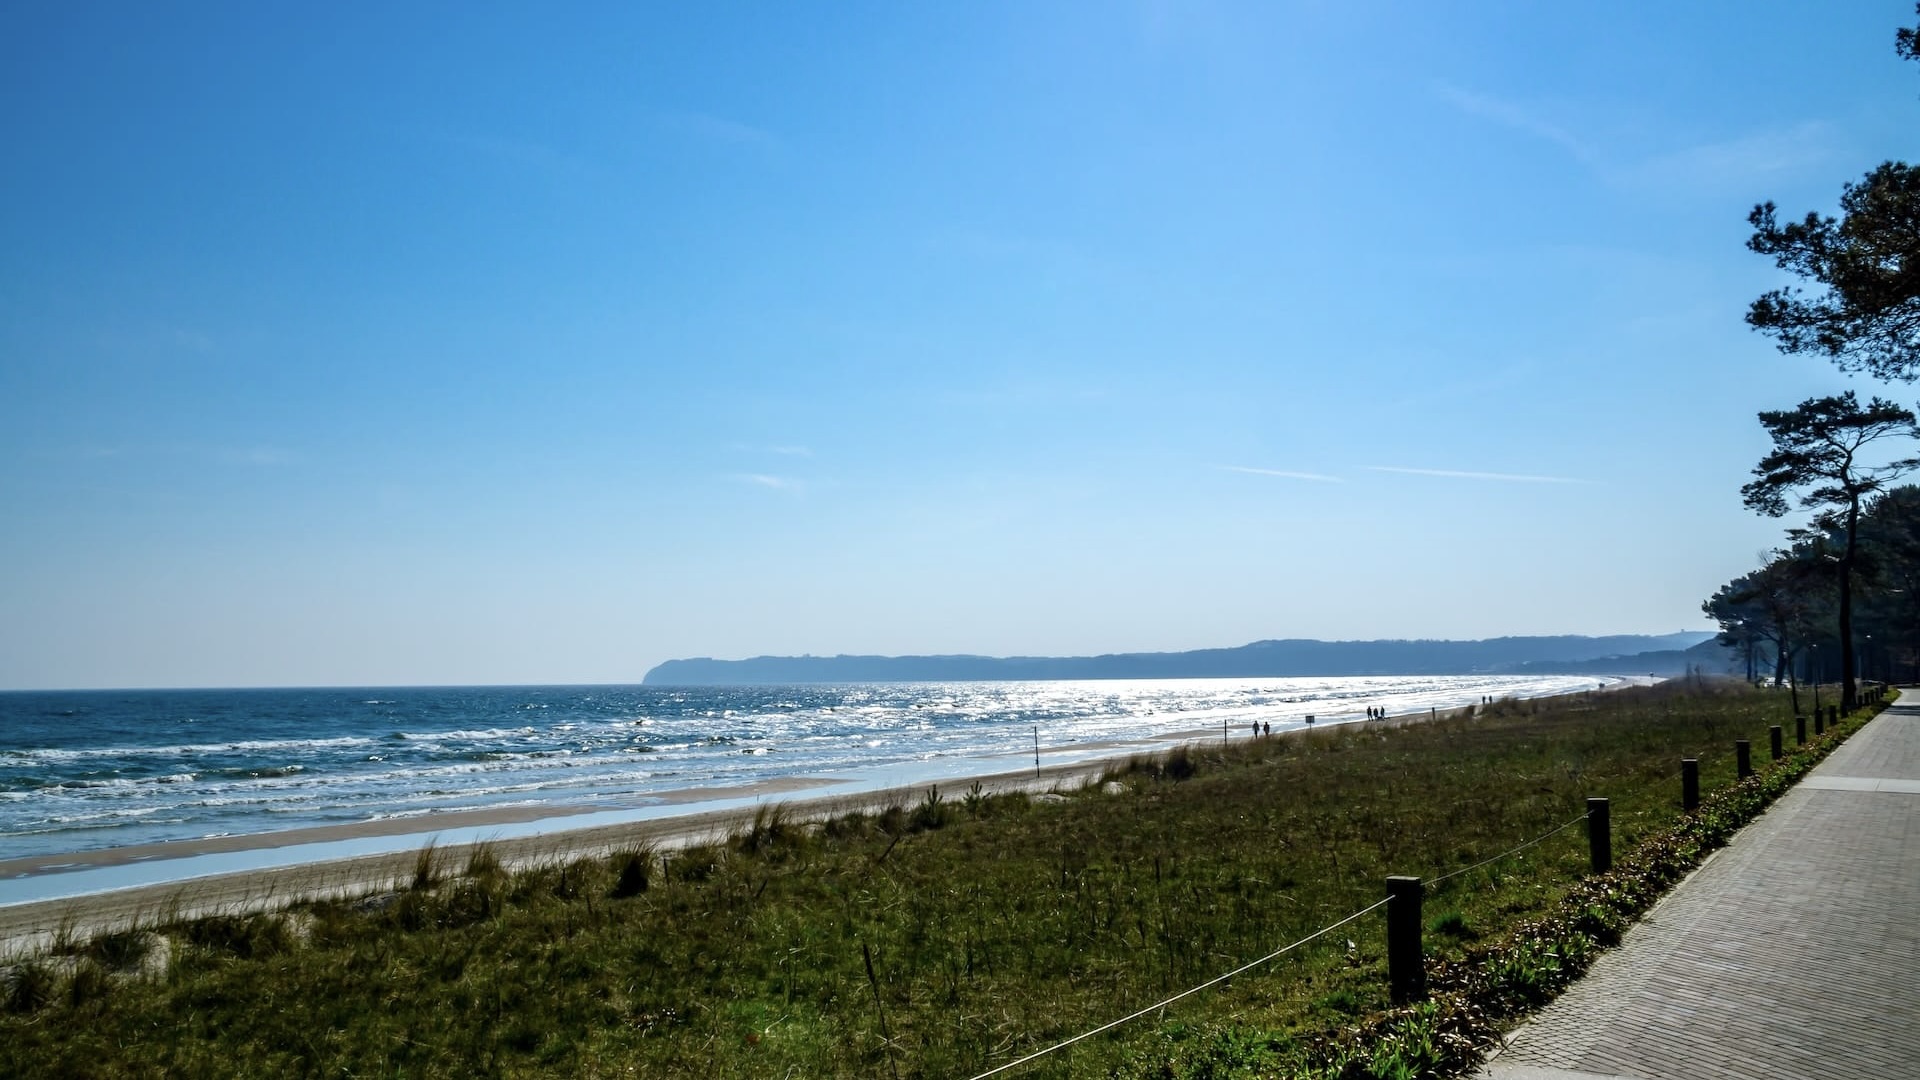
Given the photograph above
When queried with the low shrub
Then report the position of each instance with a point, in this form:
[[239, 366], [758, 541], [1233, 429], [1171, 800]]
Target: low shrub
[[632, 872]]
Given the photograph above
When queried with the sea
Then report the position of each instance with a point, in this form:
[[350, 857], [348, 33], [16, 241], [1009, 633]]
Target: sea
[[82, 771]]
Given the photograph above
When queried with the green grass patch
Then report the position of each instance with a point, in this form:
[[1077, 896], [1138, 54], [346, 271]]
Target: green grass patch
[[954, 935]]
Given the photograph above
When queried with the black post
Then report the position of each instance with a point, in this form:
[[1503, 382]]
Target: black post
[[1833, 716], [1743, 757], [1800, 730], [1773, 736], [1819, 723], [1406, 972], [1689, 784], [1600, 834]]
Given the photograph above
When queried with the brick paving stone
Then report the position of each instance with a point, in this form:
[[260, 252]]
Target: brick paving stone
[[1792, 952]]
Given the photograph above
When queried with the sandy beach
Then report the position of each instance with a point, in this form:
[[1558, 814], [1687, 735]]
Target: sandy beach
[[30, 925]]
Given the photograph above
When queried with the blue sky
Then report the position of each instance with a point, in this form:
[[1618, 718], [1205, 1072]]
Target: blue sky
[[485, 343]]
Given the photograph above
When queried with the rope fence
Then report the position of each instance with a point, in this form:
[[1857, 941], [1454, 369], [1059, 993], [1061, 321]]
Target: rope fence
[[1515, 850], [1405, 959], [1277, 953], [1216, 980]]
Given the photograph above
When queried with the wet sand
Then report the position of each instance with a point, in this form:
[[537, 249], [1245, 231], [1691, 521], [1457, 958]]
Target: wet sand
[[31, 926], [422, 826]]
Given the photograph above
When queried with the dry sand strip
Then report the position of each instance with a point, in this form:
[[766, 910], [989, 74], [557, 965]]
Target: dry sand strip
[[33, 926]]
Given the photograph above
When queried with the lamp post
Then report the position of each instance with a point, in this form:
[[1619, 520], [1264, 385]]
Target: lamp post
[[1814, 662]]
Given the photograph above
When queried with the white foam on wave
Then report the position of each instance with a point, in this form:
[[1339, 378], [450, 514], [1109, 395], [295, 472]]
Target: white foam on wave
[[466, 734], [246, 746]]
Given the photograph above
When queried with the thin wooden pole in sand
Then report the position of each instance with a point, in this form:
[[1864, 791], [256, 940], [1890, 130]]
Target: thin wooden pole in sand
[[1036, 751]]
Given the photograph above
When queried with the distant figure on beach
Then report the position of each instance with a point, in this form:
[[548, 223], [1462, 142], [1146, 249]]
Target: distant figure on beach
[[1267, 728], [1256, 729]]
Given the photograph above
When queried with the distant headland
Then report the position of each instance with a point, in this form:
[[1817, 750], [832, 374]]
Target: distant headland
[[1622, 654]]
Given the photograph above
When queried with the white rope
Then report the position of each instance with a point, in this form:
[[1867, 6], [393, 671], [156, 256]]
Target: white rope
[[1184, 993], [1216, 980], [1510, 851]]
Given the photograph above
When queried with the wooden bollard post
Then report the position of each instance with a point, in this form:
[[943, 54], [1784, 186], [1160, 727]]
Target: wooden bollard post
[[1406, 970], [1819, 723], [1743, 757], [1800, 730], [1600, 834], [1689, 784], [1833, 716], [1773, 736]]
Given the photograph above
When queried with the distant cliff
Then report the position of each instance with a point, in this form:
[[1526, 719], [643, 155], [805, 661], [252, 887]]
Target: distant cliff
[[1262, 659]]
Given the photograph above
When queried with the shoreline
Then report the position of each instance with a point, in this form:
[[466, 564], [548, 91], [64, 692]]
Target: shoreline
[[259, 871], [37, 865], [30, 925]]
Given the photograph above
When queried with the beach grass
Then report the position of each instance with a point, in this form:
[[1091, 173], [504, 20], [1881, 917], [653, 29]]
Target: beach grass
[[941, 937]]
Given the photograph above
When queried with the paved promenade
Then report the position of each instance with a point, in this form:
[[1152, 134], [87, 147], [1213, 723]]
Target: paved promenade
[[1792, 952]]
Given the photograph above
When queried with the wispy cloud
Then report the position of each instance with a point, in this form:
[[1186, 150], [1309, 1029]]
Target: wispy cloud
[[1516, 116], [260, 456], [720, 129], [1046, 263], [1284, 474], [530, 156], [256, 455], [1712, 164], [1461, 474], [772, 483], [187, 338], [1738, 161]]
